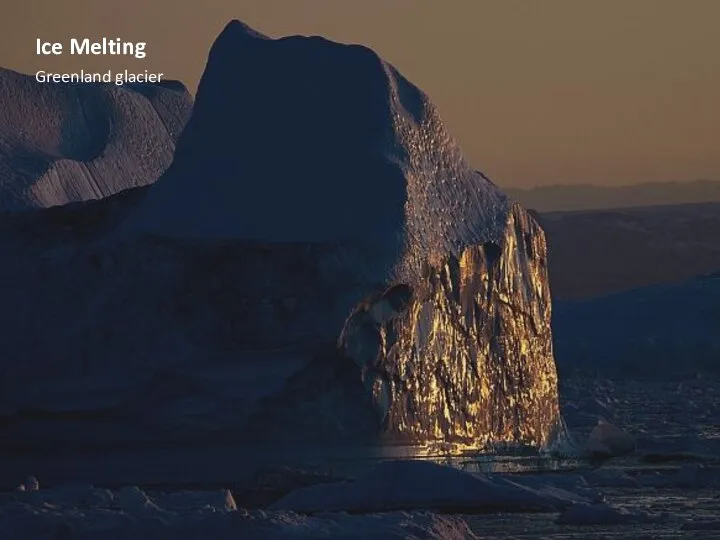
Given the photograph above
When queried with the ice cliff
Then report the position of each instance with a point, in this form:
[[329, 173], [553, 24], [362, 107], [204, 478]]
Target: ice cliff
[[62, 143], [318, 263]]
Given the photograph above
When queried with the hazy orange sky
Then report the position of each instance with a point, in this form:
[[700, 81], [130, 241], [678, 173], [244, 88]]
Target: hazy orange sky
[[537, 92]]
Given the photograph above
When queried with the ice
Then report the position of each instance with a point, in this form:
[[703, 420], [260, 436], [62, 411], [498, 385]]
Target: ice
[[333, 146], [217, 501], [608, 440], [402, 485], [133, 500], [658, 331], [318, 265], [358, 143], [29, 484], [69, 512], [70, 494], [62, 143], [594, 514]]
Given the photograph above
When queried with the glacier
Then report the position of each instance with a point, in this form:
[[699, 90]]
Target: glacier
[[64, 143], [318, 264]]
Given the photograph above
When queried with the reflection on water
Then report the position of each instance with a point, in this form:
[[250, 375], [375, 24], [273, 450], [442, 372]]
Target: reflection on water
[[509, 460], [514, 464]]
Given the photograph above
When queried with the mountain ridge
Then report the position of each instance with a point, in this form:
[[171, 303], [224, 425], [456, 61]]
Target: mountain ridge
[[569, 197]]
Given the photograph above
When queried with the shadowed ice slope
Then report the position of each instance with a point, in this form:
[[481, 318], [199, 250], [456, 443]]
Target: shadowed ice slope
[[303, 139], [318, 263], [62, 143], [660, 330]]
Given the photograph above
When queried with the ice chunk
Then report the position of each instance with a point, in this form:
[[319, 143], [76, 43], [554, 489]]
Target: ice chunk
[[135, 501], [187, 501], [398, 485], [607, 439]]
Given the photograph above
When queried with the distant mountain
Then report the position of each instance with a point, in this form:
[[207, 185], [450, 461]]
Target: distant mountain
[[62, 143], [587, 197], [598, 252]]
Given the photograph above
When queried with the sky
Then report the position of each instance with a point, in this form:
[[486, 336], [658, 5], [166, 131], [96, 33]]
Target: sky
[[537, 93]]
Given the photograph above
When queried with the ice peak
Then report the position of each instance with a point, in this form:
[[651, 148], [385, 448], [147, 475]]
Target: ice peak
[[238, 30]]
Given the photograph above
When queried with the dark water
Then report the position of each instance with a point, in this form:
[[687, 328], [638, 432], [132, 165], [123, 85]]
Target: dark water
[[677, 423]]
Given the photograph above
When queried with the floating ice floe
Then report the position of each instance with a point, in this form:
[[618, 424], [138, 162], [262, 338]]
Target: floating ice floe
[[29, 484], [608, 440], [68, 512], [402, 485]]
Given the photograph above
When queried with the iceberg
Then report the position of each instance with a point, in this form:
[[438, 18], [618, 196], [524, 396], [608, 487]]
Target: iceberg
[[318, 265]]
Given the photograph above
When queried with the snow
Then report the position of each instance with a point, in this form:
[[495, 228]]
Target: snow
[[304, 139], [30, 484], [133, 500], [402, 485], [70, 494], [77, 512], [62, 143]]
